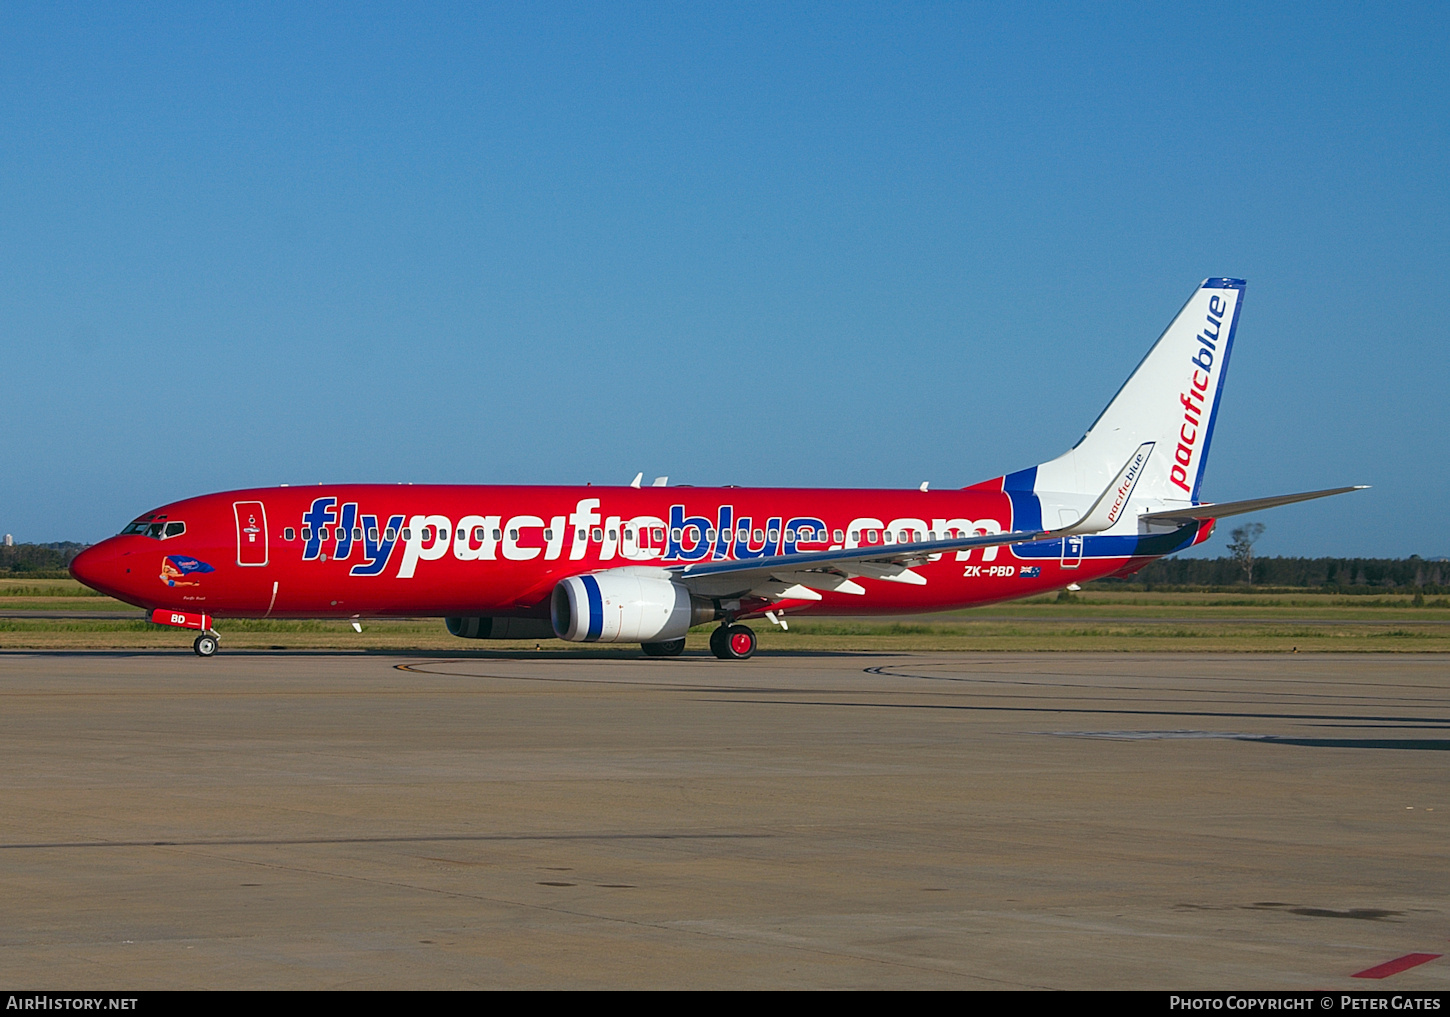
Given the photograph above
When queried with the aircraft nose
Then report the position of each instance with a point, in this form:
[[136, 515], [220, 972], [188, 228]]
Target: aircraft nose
[[86, 567], [99, 567]]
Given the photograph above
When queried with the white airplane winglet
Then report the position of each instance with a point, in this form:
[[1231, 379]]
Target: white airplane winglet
[[1108, 509]]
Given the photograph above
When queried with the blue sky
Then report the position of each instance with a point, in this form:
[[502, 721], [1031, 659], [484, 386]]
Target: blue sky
[[834, 245]]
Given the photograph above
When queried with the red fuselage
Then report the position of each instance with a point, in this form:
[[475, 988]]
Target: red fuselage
[[394, 550]]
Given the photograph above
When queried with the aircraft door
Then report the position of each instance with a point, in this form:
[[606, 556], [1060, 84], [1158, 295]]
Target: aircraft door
[[1071, 546], [251, 532], [1071, 552]]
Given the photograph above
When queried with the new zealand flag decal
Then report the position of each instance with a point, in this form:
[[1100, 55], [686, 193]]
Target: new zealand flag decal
[[1031, 572]]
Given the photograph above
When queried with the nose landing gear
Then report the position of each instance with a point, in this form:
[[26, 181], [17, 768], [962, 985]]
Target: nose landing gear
[[206, 643], [732, 642]]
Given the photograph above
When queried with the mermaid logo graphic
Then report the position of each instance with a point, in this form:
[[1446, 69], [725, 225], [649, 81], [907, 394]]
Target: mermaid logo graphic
[[177, 568]]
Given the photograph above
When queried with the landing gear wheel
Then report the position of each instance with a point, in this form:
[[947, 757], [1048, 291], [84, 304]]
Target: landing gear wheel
[[732, 642], [673, 648], [205, 645]]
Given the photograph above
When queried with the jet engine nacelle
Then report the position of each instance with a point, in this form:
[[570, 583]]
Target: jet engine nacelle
[[500, 628], [626, 605]]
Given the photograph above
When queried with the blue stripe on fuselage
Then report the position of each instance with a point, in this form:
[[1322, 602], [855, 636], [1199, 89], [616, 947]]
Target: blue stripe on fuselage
[[1112, 546]]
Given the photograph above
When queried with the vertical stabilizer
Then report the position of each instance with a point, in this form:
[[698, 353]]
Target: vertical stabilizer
[[1171, 400]]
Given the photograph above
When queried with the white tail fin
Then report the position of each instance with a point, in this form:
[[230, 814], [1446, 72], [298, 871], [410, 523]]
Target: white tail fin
[[1171, 400]]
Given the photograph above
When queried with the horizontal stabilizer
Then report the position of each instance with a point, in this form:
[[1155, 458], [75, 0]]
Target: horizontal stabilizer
[[1238, 508]]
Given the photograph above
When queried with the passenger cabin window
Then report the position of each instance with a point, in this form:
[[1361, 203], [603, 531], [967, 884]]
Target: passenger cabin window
[[549, 535], [598, 534], [390, 534], [407, 533], [840, 537], [306, 533], [372, 534], [357, 533], [478, 534], [289, 534]]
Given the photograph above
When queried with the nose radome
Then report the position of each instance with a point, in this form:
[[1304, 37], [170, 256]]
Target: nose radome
[[84, 567], [98, 567]]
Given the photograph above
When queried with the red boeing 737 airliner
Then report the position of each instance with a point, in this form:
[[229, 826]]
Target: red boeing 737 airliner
[[644, 564]]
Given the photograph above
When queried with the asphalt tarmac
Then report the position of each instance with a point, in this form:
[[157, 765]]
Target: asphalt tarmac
[[293, 820]]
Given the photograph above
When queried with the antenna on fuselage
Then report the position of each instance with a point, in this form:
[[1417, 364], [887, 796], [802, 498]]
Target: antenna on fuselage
[[660, 482], [637, 478]]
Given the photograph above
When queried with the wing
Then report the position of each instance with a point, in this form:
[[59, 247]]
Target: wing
[[799, 576]]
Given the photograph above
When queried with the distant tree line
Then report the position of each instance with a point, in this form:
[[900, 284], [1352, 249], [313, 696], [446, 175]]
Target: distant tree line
[[31, 558], [1347, 575]]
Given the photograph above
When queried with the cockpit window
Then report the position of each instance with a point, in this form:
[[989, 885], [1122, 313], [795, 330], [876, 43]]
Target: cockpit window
[[158, 529]]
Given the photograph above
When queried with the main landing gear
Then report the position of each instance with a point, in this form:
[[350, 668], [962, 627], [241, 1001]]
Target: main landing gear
[[732, 642], [205, 645], [673, 648]]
